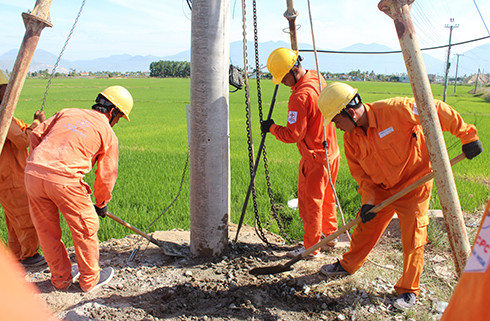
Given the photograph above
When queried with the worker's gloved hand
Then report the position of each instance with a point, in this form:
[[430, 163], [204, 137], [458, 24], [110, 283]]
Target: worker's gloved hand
[[366, 215], [472, 149], [101, 211], [39, 115], [266, 125]]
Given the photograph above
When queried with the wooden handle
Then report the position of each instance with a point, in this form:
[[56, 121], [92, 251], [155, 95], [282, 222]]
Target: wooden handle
[[379, 207], [131, 227]]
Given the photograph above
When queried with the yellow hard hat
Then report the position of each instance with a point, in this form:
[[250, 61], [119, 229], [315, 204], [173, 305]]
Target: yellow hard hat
[[120, 97], [280, 63], [334, 98], [3, 78]]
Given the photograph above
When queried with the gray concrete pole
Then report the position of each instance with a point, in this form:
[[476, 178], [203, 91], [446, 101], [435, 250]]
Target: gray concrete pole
[[456, 73], [34, 22], [448, 64], [209, 143], [399, 11]]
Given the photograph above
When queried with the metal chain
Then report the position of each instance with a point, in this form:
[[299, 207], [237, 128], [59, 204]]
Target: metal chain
[[258, 225], [61, 54], [133, 253], [178, 193], [264, 152]]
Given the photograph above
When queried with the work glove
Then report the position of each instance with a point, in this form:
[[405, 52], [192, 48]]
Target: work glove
[[39, 115], [472, 149], [101, 211], [366, 215], [266, 125]]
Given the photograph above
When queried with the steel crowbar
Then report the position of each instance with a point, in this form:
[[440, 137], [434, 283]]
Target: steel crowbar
[[169, 248], [287, 267]]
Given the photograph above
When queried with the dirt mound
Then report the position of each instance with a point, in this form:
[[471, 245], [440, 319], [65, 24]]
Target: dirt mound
[[156, 287]]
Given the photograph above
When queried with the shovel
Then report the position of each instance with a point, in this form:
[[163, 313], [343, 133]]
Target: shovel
[[169, 248], [287, 267]]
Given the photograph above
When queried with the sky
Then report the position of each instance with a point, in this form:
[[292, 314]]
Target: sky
[[163, 27]]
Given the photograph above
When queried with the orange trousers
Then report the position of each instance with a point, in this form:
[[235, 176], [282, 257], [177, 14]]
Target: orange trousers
[[316, 201], [22, 236], [74, 203], [411, 210], [19, 298]]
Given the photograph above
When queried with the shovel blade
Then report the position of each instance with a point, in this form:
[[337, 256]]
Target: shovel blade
[[172, 249], [270, 269]]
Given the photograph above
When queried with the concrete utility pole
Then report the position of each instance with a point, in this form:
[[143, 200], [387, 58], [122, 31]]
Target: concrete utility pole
[[476, 81], [399, 11], [209, 144], [456, 73], [34, 22], [448, 64]]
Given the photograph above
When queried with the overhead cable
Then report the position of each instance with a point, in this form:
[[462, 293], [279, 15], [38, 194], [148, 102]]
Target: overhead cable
[[391, 51], [478, 9]]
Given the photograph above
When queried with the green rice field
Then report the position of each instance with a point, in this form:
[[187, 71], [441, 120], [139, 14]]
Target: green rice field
[[153, 151]]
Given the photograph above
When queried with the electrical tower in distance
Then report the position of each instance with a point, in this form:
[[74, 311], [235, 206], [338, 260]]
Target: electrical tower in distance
[[446, 78]]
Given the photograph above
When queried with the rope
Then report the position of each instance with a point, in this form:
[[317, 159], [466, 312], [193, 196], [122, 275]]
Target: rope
[[61, 54], [324, 125]]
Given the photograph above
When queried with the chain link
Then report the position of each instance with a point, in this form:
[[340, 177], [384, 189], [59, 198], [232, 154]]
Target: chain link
[[61, 54], [264, 153], [258, 225]]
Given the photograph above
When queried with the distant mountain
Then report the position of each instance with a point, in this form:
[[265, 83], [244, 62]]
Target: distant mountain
[[470, 61], [328, 62]]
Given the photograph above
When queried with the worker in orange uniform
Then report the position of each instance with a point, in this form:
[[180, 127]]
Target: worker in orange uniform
[[316, 199], [63, 149], [22, 236], [469, 300], [386, 152], [19, 298]]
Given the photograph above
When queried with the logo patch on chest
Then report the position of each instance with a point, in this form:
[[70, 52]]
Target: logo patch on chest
[[292, 117], [415, 110], [385, 132]]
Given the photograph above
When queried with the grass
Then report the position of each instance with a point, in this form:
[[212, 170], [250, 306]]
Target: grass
[[153, 151]]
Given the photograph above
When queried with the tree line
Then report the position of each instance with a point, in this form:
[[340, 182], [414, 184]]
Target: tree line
[[168, 69]]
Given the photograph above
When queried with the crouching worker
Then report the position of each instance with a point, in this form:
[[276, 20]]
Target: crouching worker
[[386, 152], [63, 149], [22, 236]]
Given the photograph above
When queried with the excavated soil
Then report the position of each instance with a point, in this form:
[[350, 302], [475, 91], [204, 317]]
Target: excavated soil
[[153, 286]]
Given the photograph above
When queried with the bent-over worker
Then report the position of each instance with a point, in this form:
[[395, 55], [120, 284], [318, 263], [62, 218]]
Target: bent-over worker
[[386, 152], [22, 237], [316, 199], [63, 149]]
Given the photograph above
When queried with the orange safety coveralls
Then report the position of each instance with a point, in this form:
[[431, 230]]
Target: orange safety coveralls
[[63, 149], [22, 236], [470, 298], [316, 200], [19, 298], [390, 156]]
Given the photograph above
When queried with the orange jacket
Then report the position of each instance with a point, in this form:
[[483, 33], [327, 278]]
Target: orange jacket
[[66, 146], [14, 153], [19, 299], [392, 153], [305, 121], [470, 298]]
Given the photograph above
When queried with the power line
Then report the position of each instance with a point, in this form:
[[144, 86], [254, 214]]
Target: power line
[[391, 51], [478, 9]]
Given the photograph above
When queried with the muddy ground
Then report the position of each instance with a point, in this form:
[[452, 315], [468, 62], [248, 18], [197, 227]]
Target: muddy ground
[[156, 287]]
